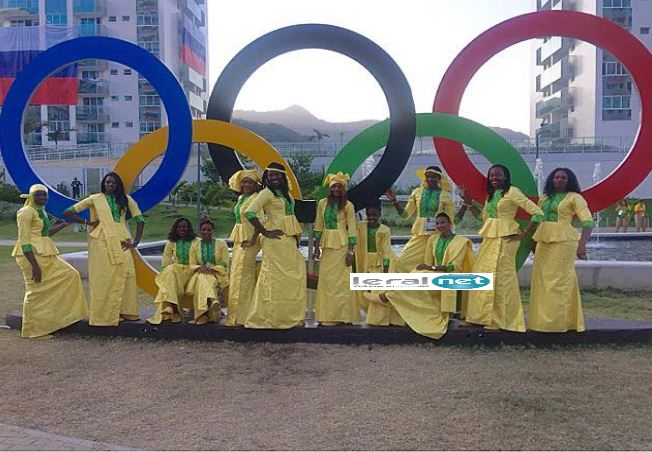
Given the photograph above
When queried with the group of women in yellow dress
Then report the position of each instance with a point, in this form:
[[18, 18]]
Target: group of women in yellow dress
[[199, 275]]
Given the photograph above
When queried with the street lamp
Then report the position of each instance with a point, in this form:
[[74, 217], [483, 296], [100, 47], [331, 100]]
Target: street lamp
[[538, 132]]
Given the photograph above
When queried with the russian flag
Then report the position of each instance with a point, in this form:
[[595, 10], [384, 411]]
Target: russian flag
[[193, 53], [20, 45]]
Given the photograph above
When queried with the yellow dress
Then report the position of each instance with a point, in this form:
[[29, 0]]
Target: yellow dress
[[279, 300], [427, 312], [373, 261], [555, 303], [204, 286], [412, 254], [111, 272], [501, 307], [172, 280], [58, 300], [243, 271], [335, 230]]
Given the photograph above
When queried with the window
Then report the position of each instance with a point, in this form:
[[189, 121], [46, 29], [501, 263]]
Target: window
[[112, 19], [617, 4], [147, 20], [114, 72], [616, 102], [56, 12], [129, 98], [89, 75], [115, 98], [613, 68], [126, 18], [645, 30], [147, 127], [126, 72], [148, 101], [129, 124], [115, 125]]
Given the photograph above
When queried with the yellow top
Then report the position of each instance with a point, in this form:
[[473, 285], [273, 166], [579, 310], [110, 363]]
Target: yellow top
[[30, 229], [383, 246], [345, 233], [244, 230], [640, 207], [221, 256], [562, 230], [505, 224], [98, 205], [275, 213], [170, 253], [413, 206]]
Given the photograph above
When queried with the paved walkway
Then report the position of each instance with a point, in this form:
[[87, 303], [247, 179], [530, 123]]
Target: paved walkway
[[17, 438]]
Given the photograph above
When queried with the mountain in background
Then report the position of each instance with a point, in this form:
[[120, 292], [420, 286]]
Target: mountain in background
[[295, 123]]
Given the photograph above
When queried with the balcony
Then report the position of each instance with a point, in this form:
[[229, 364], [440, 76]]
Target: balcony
[[563, 69], [561, 100], [20, 7], [89, 7], [93, 88], [92, 30], [93, 113], [91, 137], [92, 64]]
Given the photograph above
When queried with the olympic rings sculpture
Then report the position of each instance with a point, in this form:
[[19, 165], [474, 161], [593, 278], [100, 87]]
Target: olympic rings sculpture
[[397, 134]]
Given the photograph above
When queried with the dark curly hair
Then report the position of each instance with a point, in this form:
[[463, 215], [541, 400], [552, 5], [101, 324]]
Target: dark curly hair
[[443, 215], [173, 236], [374, 204], [508, 181], [119, 193], [572, 185], [206, 220]]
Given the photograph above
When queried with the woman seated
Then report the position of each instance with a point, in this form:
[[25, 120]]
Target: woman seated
[[175, 274], [427, 311], [210, 259]]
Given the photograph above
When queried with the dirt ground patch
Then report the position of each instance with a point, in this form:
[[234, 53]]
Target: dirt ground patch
[[184, 395]]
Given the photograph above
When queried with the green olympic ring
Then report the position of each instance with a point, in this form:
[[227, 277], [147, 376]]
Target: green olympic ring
[[441, 125]]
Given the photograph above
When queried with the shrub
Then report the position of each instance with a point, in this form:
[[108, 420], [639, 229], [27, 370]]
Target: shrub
[[9, 193], [8, 210]]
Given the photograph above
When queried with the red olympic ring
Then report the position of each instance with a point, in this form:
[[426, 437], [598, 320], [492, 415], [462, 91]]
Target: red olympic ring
[[598, 31]]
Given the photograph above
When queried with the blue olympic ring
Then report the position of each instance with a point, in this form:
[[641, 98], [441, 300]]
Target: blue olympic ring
[[123, 52]]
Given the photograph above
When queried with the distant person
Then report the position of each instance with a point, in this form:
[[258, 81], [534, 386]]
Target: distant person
[[639, 216], [622, 216], [76, 188]]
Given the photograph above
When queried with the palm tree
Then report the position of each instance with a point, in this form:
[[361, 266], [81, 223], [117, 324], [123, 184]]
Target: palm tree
[[319, 136]]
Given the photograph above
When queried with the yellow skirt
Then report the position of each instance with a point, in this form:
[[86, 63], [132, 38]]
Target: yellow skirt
[[172, 282], [56, 302], [113, 289], [242, 283], [412, 255], [279, 300], [421, 310], [203, 287], [555, 304], [336, 302], [501, 307]]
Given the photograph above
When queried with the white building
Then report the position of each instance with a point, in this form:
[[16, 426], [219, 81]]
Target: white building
[[581, 94], [115, 107]]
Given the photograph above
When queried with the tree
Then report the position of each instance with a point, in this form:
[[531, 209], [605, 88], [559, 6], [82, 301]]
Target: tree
[[309, 179], [319, 136]]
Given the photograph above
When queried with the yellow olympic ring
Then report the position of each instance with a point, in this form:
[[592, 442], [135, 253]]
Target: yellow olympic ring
[[153, 145]]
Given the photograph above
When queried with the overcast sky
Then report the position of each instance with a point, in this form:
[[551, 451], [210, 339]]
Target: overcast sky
[[423, 36]]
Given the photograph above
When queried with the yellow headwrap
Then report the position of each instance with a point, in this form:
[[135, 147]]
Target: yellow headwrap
[[235, 182], [444, 183], [337, 178], [29, 198]]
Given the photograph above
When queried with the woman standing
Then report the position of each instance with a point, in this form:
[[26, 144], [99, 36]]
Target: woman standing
[[176, 273], [555, 304], [210, 260], [111, 273], [242, 275], [54, 297], [279, 300], [431, 198], [622, 216], [427, 312], [335, 232], [500, 308], [639, 215]]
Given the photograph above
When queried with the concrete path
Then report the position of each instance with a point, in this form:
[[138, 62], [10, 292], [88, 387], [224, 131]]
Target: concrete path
[[18, 438]]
